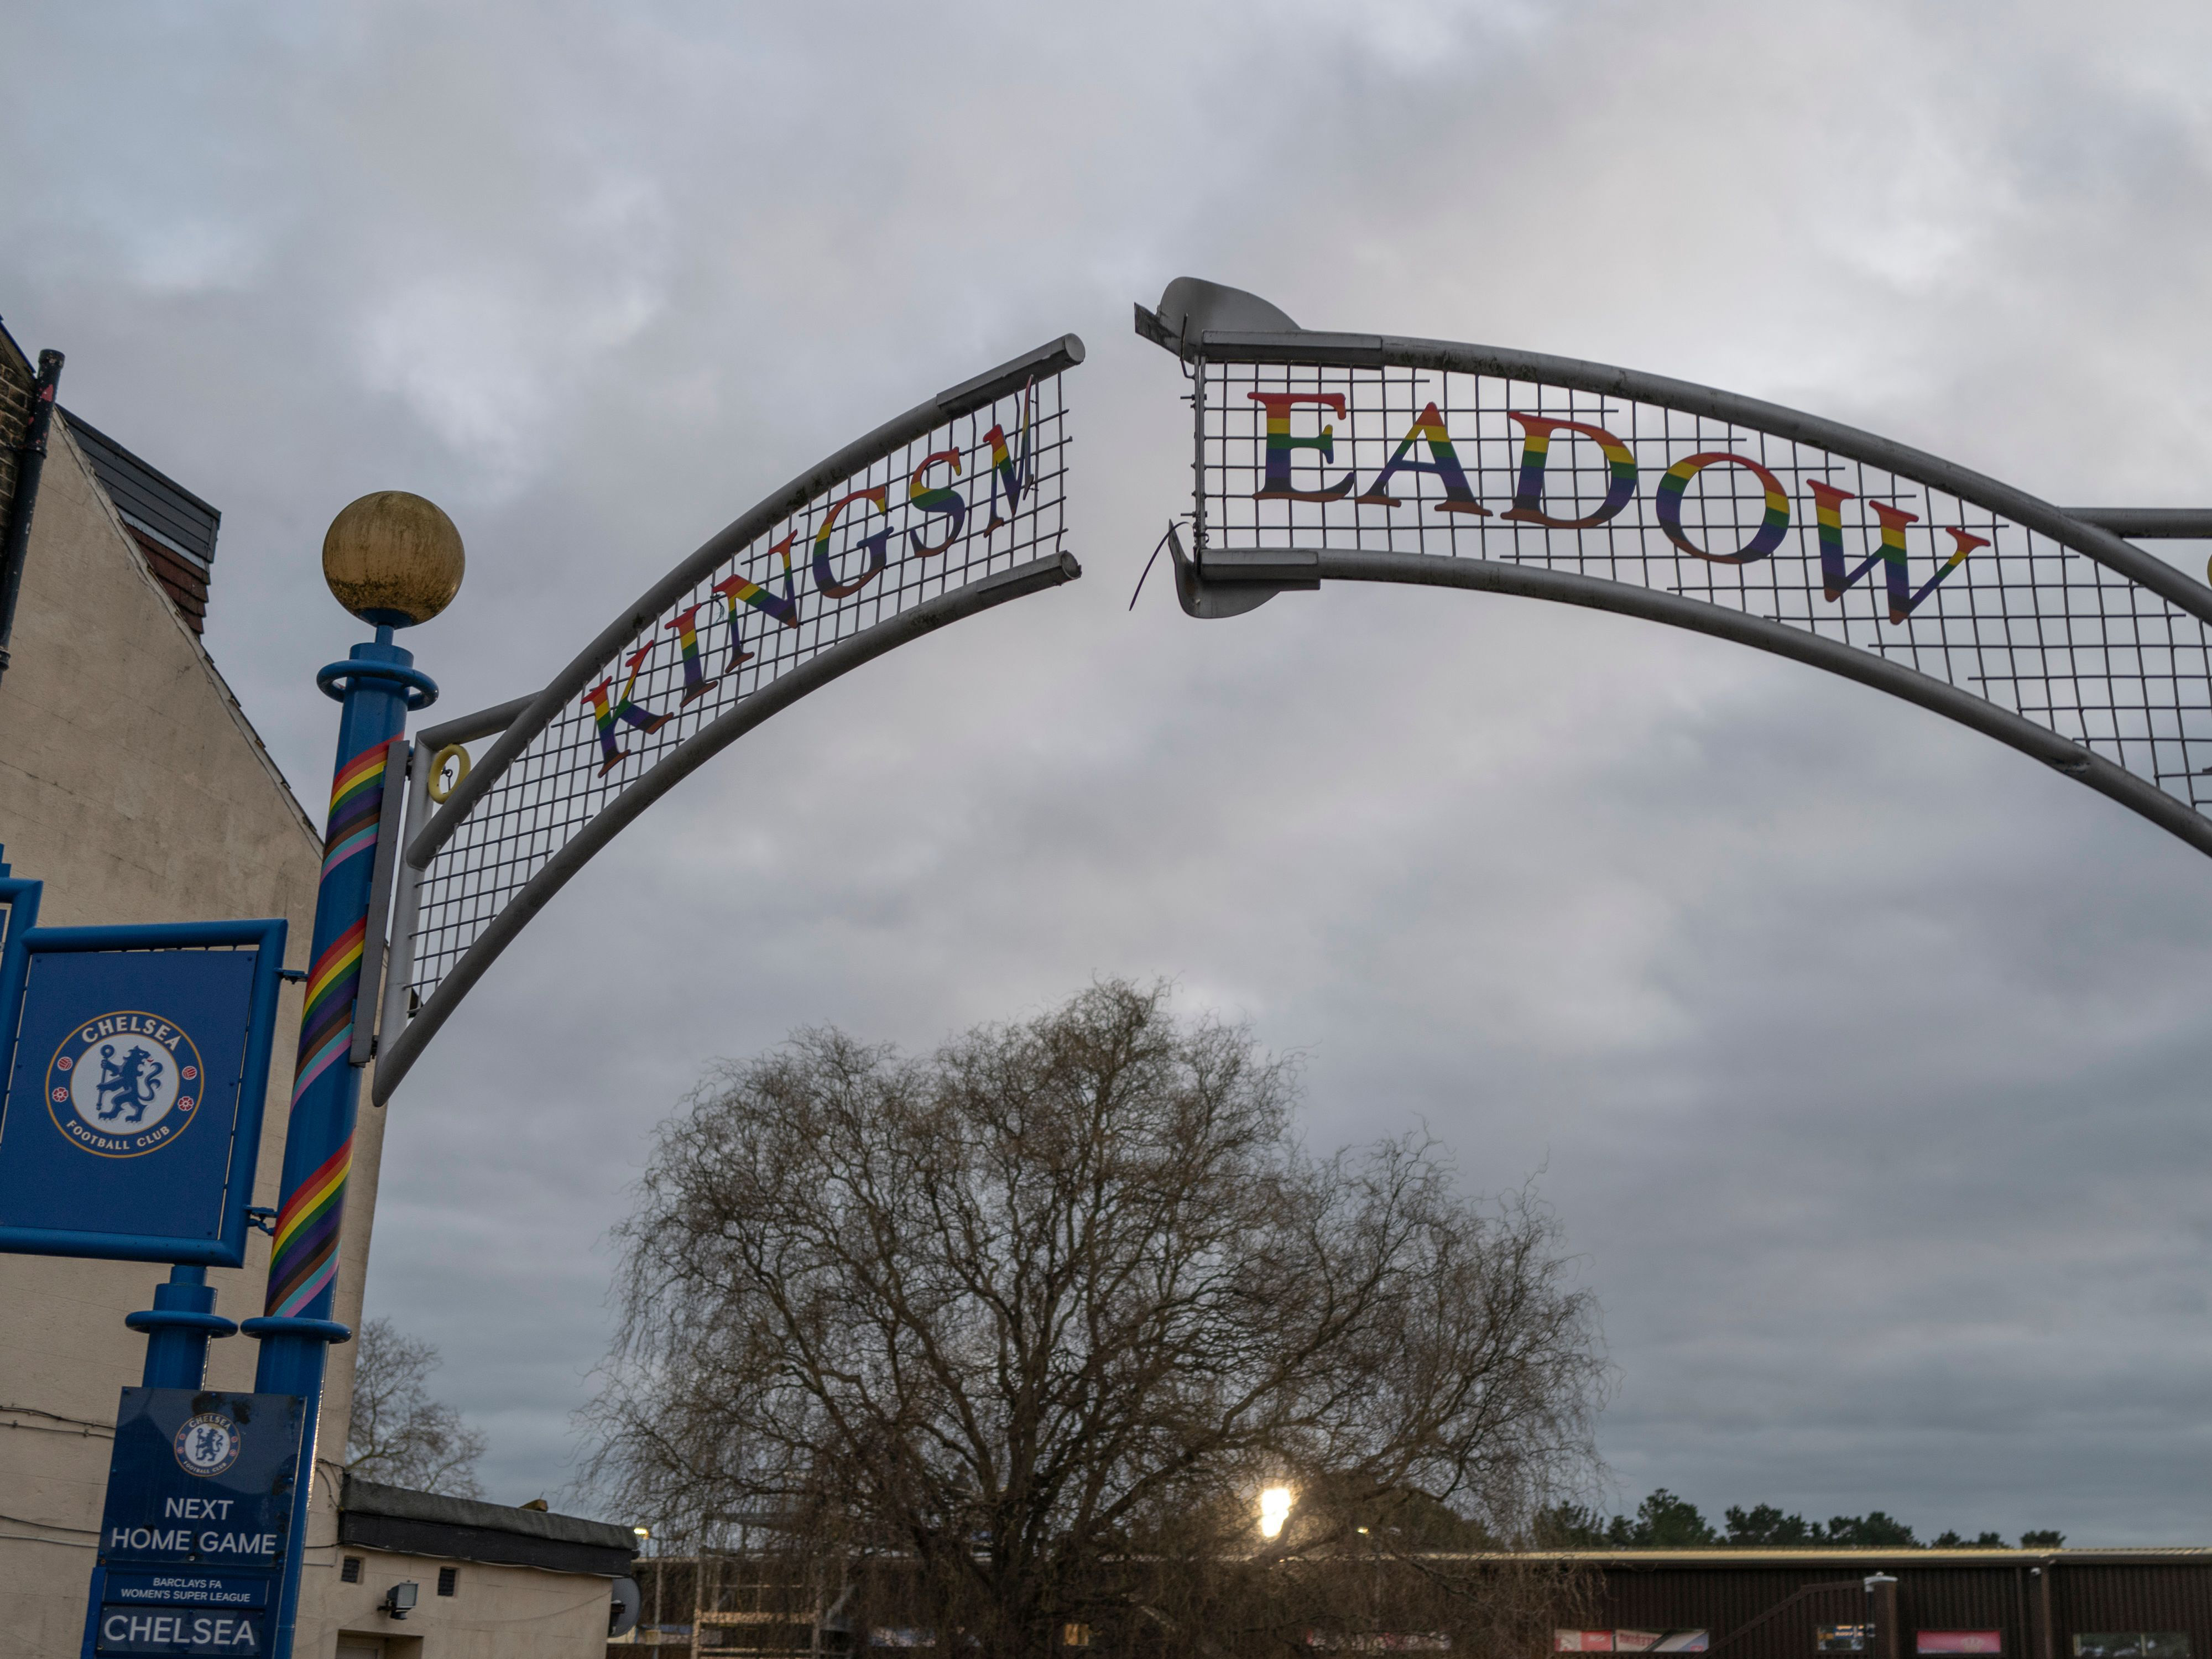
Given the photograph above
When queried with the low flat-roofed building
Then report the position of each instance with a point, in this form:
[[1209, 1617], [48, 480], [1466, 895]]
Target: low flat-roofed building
[[490, 1582]]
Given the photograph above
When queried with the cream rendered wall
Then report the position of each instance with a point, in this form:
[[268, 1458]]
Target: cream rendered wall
[[495, 1613], [132, 784]]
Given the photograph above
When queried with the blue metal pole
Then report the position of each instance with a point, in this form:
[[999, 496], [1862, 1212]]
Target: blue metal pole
[[178, 1327], [375, 686]]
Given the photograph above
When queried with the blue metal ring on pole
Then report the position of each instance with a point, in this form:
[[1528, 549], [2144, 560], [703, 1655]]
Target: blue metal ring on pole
[[326, 1330], [336, 679], [178, 1319], [178, 1327]]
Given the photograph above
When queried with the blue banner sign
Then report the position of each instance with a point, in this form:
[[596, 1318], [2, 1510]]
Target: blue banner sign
[[133, 1106], [193, 1538]]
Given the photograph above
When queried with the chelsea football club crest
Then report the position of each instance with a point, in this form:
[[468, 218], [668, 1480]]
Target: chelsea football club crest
[[207, 1445], [125, 1083]]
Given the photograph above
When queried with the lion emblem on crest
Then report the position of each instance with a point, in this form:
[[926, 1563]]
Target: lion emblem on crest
[[134, 1082]]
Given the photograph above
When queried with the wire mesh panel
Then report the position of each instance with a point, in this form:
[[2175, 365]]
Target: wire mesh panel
[[937, 508], [1630, 489]]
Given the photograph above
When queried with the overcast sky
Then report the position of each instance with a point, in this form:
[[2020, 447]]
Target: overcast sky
[[1864, 1061]]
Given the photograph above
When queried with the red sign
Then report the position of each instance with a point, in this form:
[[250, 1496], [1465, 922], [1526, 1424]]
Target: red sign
[[1958, 1641]]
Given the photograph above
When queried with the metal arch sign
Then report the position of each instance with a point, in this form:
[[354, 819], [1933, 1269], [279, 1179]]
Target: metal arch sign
[[1345, 457], [951, 508]]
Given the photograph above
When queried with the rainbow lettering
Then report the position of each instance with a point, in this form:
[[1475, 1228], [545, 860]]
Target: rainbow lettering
[[1828, 527], [1963, 543], [1428, 426], [1282, 446], [942, 499], [737, 590], [605, 717], [1904, 600], [826, 579], [1774, 525], [1009, 472], [937, 513], [696, 682], [1535, 450]]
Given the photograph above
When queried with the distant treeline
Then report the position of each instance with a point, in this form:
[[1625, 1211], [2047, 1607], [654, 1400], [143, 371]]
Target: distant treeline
[[1664, 1521]]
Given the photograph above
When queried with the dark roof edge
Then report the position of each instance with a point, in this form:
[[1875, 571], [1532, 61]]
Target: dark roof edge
[[83, 425], [1815, 1555], [21, 358], [481, 1544], [367, 1497]]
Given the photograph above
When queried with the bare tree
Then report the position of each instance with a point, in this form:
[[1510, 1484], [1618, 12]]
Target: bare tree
[[396, 1433], [1032, 1323]]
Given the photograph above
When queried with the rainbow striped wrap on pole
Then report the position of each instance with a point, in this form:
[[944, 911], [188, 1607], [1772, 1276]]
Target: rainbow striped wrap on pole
[[296, 1329]]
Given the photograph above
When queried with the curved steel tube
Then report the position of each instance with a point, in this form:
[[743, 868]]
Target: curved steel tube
[[1567, 587], [2180, 523], [696, 752]]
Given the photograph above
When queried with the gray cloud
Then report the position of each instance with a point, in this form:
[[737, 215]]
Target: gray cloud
[[1862, 1059]]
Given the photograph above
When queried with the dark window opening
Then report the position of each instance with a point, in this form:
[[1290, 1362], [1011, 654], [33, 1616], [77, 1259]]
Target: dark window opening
[[349, 1570], [448, 1578]]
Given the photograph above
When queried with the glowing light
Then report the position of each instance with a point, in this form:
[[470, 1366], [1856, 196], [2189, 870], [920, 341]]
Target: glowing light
[[1274, 1510]]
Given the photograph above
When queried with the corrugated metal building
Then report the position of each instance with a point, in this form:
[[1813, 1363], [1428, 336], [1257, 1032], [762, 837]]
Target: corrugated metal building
[[1796, 1604], [1736, 1603]]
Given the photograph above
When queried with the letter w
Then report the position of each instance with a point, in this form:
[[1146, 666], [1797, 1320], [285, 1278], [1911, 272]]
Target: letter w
[[1903, 599]]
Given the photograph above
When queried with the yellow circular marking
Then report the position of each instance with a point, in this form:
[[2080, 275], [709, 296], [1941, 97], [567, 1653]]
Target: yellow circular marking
[[439, 788]]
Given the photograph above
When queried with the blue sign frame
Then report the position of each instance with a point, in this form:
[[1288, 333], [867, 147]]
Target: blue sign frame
[[21, 898], [156, 944]]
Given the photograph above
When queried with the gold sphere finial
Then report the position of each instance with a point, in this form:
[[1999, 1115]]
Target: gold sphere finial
[[393, 559]]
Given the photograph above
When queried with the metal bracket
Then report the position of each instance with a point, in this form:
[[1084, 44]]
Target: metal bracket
[[1250, 579]]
